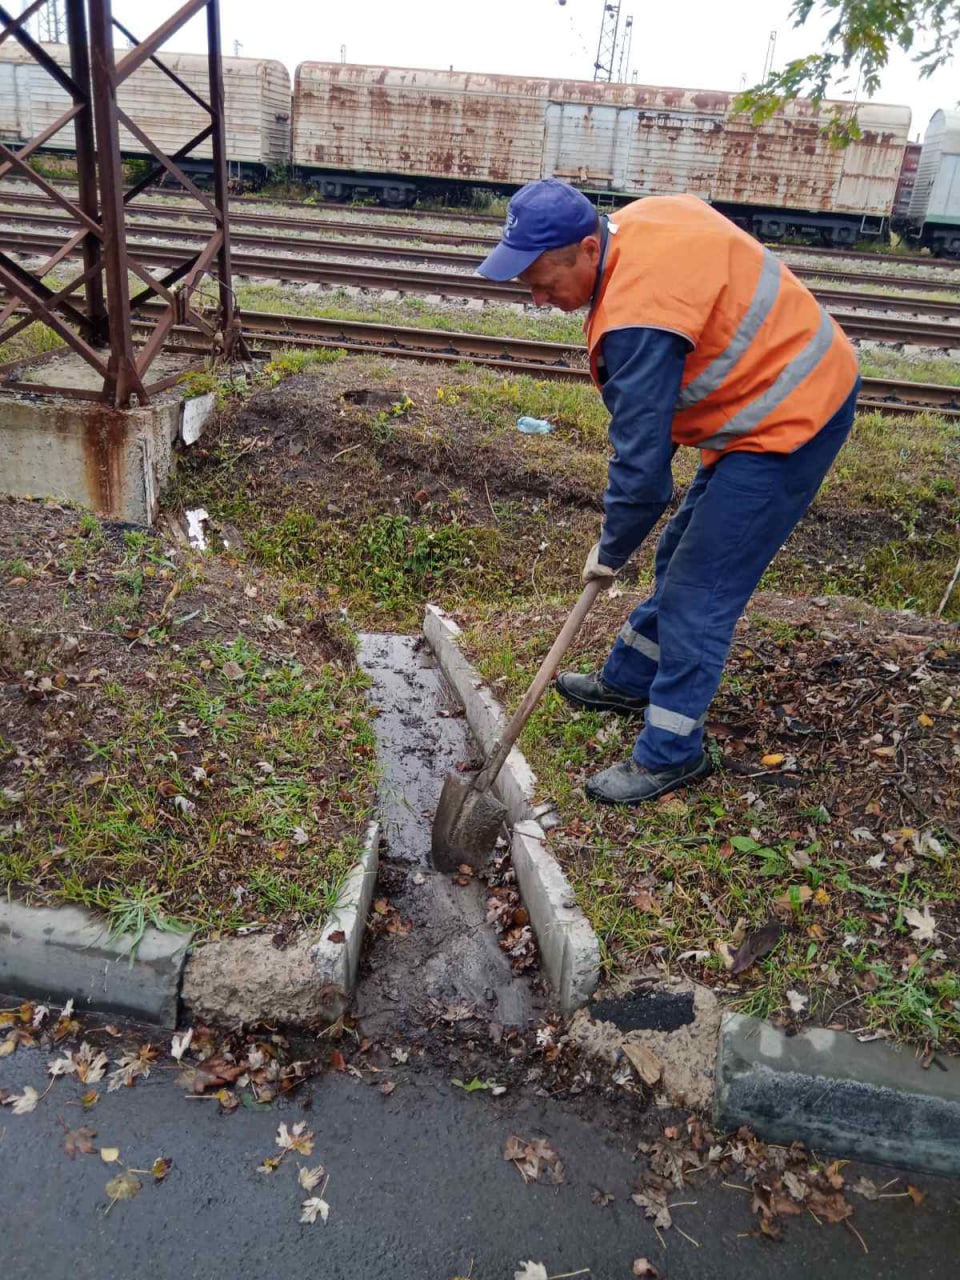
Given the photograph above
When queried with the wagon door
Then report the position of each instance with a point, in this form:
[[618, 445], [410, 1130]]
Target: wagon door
[[580, 145]]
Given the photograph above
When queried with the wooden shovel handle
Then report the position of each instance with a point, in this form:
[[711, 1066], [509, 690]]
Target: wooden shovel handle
[[495, 761]]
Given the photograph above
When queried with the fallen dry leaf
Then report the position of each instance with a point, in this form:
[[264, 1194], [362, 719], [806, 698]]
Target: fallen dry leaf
[[644, 1061], [533, 1159], [916, 1195], [641, 1267], [772, 760], [123, 1187], [313, 1208], [797, 895], [109, 1155], [864, 1187], [22, 1104], [923, 927], [653, 1201], [180, 1044], [757, 944], [79, 1141], [298, 1139], [531, 1271], [310, 1178], [161, 1167]]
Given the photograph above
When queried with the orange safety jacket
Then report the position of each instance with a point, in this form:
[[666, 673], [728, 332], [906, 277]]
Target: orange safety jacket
[[767, 367]]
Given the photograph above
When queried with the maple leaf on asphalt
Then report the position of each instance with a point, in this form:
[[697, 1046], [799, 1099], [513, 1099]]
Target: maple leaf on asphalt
[[79, 1140], [123, 1187], [91, 1064], [22, 1104], [654, 1204], [299, 1139], [866, 1188], [310, 1178], [131, 1067], [314, 1208], [531, 1271]]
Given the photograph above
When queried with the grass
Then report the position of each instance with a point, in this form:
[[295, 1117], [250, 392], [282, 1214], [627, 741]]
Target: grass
[[882, 528], [495, 319], [676, 885], [201, 775]]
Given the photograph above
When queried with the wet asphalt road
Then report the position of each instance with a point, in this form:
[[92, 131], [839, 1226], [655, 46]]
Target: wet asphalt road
[[418, 1191]]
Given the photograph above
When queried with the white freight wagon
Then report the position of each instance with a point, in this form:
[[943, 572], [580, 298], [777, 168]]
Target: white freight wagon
[[360, 128], [934, 212], [256, 98]]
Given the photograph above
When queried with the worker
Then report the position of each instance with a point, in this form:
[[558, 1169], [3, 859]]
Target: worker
[[697, 336]]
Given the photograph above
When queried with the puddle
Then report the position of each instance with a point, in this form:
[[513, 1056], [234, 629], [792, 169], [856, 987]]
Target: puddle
[[451, 954]]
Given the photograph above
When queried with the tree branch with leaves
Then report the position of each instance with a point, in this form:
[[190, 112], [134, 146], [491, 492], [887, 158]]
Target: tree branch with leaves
[[859, 42]]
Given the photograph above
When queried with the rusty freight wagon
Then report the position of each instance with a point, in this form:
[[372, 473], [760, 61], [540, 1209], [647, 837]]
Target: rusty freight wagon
[[395, 131], [256, 93]]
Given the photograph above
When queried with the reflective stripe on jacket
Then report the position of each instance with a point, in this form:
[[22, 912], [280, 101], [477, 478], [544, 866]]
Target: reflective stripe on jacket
[[767, 367]]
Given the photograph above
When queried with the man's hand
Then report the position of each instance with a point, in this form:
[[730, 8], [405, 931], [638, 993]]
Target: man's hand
[[593, 570]]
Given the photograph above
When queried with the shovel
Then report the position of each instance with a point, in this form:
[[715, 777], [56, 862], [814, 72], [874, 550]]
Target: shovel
[[469, 815]]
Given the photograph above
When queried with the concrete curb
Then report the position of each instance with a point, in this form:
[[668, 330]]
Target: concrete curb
[[569, 948], [829, 1091], [63, 953], [248, 979]]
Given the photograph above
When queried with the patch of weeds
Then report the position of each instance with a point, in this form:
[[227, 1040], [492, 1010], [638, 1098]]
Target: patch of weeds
[[16, 567], [823, 851], [498, 321], [912, 1005], [575, 410], [233, 786], [881, 362]]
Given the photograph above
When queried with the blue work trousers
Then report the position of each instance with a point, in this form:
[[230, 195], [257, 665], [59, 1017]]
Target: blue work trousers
[[735, 517]]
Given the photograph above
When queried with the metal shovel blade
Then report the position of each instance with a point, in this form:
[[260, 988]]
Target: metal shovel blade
[[466, 824]]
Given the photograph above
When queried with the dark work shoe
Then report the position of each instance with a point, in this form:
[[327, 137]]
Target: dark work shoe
[[628, 783], [595, 694]]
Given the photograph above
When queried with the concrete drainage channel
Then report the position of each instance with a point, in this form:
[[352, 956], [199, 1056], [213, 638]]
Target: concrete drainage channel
[[821, 1087]]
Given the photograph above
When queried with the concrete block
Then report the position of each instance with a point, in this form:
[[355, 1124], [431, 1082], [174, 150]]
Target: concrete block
[[829, 1091], [247, 979], [59, 953], [517, 783], [337, 963], [115, 462], [569, 948]]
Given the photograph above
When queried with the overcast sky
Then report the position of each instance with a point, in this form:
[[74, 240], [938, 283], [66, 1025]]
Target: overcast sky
[[703, 44]]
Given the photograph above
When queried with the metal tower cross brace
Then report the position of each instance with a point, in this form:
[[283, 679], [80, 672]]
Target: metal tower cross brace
[[93, 312], [604, 66]]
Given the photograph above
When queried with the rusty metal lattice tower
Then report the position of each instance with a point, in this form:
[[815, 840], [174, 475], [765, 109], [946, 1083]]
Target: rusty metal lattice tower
[[93, 312], [605, 65]]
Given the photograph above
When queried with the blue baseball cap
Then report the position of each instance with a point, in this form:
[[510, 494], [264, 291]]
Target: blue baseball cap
[[543, 215]]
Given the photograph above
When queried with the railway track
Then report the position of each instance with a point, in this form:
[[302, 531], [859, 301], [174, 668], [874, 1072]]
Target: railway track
[[566, 361], [496, 220], [923, 332], [280, 232]]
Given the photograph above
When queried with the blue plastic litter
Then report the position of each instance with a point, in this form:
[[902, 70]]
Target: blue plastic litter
[[534, 426]]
